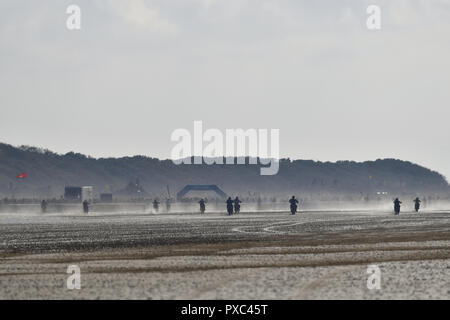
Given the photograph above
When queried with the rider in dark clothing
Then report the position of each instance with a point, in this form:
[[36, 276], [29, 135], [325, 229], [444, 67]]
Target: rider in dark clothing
[[229, 206], [85, 206], [417, 204], [44, 206], [237, 205], [293, 203], [156, 205], [202, 205], [397, 204]]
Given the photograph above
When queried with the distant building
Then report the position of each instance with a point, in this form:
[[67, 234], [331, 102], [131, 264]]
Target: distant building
[[106, 197], [72, 193], [79, 193], [87, 193]]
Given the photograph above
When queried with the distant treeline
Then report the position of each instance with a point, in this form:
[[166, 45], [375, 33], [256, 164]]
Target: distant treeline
[[48, 173]]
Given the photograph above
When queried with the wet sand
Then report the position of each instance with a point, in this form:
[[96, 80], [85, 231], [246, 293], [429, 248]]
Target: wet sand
[[312, 255]]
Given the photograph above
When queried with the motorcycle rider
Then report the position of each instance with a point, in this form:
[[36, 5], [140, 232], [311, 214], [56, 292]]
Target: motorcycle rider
[[397, 204], [202, 205], [85, 206], [229, 206], [293, 203], [417, 204], [44, 206], [237, 205], [156, 205]]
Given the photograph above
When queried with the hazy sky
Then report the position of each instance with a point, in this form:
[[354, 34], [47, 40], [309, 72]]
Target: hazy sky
[[139, 69]]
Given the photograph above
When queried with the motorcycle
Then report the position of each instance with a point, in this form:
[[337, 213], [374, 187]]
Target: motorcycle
[[397, 209], [417, 206], [293, 208]]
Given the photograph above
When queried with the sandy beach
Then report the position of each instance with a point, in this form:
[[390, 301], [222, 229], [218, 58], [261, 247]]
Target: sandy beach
[[271, 255]]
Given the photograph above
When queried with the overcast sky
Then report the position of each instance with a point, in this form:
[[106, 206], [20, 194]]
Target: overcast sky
[[137, 70]]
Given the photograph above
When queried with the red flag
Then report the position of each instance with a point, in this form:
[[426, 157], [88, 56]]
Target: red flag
[[23, 175]]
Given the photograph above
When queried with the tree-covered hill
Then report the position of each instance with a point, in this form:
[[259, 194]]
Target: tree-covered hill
[[48, 173]]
